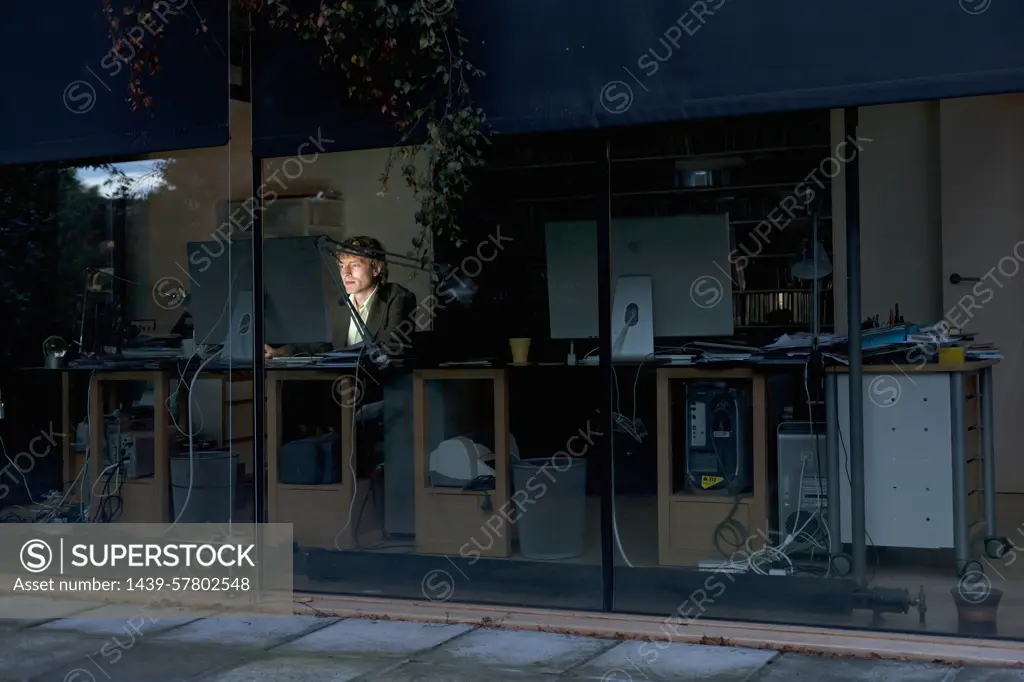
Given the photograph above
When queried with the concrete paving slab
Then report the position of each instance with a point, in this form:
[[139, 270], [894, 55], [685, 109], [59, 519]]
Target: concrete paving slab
[[791, 668], [973, 674], [529, 651], [374, 637], [426, 672], [145, 661], [25, 653], [21, 611], [673, 661], [116, 620], [300, 669], [258, 632]]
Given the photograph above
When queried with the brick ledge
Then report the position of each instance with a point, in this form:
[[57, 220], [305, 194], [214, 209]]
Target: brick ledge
[[944, 650]]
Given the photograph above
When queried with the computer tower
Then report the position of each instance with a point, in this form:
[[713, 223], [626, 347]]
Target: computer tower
[[129, 444], [718, 448], [803, 486]]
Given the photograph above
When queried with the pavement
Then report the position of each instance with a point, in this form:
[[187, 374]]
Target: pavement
[[119, 643]]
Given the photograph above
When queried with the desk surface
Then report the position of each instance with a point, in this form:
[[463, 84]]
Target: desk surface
[[892, 368], [763, 366], [182, 364]]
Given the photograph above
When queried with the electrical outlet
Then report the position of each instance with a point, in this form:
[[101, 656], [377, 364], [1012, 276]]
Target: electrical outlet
[[144, 325]]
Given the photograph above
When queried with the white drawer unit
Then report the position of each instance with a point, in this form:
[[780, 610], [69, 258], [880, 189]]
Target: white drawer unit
[[908, 466], [928, 469]]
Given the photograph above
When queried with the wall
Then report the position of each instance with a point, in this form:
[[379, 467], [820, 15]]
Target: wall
[[901, 219], [941, 193], [157, 238], [983, 223], [356, 175], [188, 212]]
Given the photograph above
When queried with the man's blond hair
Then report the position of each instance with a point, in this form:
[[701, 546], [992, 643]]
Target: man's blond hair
[[371, 250]]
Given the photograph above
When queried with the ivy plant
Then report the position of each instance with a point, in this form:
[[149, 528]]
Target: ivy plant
[[404, 58]]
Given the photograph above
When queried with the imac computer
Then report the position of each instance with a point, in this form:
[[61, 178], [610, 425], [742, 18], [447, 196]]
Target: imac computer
[[299, 294], [664, 275]]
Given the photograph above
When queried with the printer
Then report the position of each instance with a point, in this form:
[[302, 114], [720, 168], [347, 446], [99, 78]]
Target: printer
[[457, 462]]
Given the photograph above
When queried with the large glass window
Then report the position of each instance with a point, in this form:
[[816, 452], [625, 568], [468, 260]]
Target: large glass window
[[461, 469], [471, 465], [705, 235], [736, 491], [127, 384]]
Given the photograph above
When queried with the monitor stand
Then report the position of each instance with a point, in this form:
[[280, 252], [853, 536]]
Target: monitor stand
[[633, 319], [238, 344]]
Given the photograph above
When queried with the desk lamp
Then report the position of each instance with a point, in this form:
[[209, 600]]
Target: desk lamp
[[54, 350], [461, 290], [813, 265]]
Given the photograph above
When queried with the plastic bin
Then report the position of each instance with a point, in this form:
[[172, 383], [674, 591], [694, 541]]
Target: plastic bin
[[552, 516], [213, 477]]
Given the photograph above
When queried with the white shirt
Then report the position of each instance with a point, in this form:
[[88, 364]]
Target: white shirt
[[354, 336]]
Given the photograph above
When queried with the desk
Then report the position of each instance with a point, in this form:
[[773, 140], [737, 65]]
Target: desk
[[143, 500], [688, 522], [318, 512], [929, 469], [447, 519]]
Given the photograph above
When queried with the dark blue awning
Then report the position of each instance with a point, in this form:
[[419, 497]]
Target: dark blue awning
[[559, 65], [65, 95]]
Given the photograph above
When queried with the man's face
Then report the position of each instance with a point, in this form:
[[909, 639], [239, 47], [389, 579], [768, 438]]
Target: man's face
[[358, 274]]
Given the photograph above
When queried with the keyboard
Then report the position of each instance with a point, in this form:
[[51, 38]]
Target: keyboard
[[286, 362]]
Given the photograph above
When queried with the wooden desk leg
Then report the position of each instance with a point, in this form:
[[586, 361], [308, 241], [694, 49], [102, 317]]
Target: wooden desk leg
[[346, 538], [664, 401], [97, 441], [66, 428], [419, 437], [961, 524], [162, 511], [759, 512], [988, 462], [273, 446], [502, 468]]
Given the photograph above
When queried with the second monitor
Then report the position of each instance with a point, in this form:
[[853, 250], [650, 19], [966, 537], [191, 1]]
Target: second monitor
[[299, 298], [686, 258]]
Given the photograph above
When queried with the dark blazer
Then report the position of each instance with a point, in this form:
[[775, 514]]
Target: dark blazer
[[391, 305]]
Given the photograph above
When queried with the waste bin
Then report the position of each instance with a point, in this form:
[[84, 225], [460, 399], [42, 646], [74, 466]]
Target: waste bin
[[552, 515], [212, 475]]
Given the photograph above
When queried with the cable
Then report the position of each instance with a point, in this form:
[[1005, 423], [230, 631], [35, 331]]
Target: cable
[[191, 451], [173, 397], [88, 452], [849, 478], [20, 472], [799, 534], [111, 503], [191, 433], [351, 459], [183, 371], [739, 531], [631, 430], [629, 427]]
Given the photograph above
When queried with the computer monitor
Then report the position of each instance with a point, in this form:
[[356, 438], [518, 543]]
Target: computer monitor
[[299, 293], [675, 252], [219, 276], [302, 295]]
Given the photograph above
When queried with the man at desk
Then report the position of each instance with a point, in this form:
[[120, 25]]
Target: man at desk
[[382, 305]]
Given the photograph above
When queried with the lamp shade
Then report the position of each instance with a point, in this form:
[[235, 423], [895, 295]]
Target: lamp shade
[[814, 264], [460, 288]]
